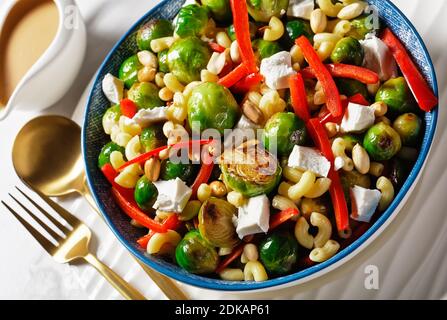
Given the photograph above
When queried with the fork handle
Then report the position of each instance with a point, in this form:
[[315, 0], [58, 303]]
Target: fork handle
[[123, 287]]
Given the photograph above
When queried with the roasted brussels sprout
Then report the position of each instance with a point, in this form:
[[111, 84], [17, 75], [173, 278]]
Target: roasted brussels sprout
[[348, 50], [187, 58], [216, 223], [195, 254], [397, 95], [250, 169], [111, 116], [265, 49], [361, 26], [104, 156], [349, 179], [350, 87], [278, 253], [408, 126], [190, 211], [145, 95], [252, 27], [163, 61], [220, 9], [129, 71], [283, 131], [184, 171], [145, 193], [192, 20], [263, 10], [212, 106], [152, 137], [399, 171], [153, 30], [295, 29], [382, 142]]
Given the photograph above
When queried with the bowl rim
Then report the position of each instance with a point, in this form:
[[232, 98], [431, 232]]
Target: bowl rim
[[310, 273]]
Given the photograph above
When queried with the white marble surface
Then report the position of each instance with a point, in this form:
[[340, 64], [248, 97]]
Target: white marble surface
[[410, 254]]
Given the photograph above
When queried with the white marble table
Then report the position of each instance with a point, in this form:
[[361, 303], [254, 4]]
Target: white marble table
[[410, 255]]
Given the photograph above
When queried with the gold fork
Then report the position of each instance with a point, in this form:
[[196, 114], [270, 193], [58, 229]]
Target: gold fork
[[72, 242]]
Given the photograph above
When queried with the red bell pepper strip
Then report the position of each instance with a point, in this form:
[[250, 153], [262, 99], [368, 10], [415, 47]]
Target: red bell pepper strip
[[333, 101], [204, 174], [242, 31], [319, 136], [281, 217], [216, 47], [340, 70], [418, 85], [234, 76], [236, 253], [128, 108], [359, 99], [144, 240], [154, 153], [171, 223], [130, 208], [325, 116], [298, 97], [248, 83]]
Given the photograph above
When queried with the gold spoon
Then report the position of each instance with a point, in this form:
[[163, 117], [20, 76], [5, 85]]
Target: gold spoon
[[47, 154]]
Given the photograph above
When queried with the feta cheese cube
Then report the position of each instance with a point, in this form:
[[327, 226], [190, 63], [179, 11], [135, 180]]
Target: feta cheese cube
[[357, 118], [277, 69], [339, 163], [253, 217], [300, 8], [113, 88], [311, 159], [173, 195], [146, 117], [378, 57], [364, 203]]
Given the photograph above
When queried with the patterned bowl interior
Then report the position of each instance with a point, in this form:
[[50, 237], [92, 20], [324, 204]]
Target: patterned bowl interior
[[94, 138]]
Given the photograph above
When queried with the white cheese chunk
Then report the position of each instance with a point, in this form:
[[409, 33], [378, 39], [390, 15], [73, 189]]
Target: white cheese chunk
[[300, 8], [113, 88], [253, 217], [357, 118], [339, 163], [310, 159], [277, 69], [364, 203], [145, 117], [378, 58], [172, 195]]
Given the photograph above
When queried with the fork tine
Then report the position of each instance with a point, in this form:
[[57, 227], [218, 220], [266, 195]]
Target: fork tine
[[67, 216], [44, 242], [59, 225], [38, 220]]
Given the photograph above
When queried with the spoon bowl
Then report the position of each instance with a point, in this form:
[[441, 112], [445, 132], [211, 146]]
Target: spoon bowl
[[47, 155]]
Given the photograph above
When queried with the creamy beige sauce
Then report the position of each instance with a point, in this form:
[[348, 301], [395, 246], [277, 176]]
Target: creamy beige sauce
[[28, 31]]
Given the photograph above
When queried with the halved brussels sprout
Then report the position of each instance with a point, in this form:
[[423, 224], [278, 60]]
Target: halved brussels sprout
[[187, 58], [129, 71], [250, 169], [351, 87], [216, 223], [163, 61], [283, 131], [408, 126], [382, 142], [252, 27], [212, 106], [295, 29], [152, 137], [265, 49], [145, 95], [111, 117], [145, 193], [263, 10], [361, 26], [348, 50], [195, 254], [192, 20], [104, 156], [155, 29], [220, 9], [279, 253], [397, 95], [171, 170]]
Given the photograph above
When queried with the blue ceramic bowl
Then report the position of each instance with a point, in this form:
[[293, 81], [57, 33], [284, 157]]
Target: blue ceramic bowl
[[94, 138]]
